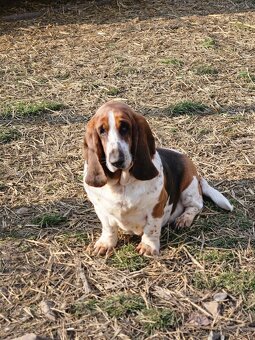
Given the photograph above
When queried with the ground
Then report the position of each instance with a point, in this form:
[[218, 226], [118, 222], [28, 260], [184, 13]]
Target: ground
[[189, 67]]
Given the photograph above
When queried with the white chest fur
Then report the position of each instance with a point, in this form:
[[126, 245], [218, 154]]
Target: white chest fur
[[127, 205]]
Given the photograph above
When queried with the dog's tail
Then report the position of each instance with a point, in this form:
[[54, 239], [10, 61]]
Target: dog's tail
[[215, 195]]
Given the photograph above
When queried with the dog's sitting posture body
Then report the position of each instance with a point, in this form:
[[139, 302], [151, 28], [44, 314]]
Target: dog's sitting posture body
[[135, 186]]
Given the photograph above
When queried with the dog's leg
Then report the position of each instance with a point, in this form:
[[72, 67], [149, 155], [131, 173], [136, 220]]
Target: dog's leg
[[186, 219], [109, 237], [150, 242], [192, 200]]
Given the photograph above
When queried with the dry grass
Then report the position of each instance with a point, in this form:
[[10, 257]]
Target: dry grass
[[147, 53]]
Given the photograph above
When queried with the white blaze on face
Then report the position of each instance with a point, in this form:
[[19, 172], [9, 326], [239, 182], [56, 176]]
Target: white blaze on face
[[112, 150], [116, 147], [113, 135]]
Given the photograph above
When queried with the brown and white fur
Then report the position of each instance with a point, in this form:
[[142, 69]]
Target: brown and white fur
[[133, 185]]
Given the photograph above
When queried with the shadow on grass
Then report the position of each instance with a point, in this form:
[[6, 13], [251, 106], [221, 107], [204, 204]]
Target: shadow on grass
[[191, 108], [65, 217], [214, 227], [217, 228], [21, 13], [34, 113], [65, 115]]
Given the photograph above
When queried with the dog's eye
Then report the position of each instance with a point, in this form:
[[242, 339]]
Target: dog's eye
[[102, 130], [124, 128]]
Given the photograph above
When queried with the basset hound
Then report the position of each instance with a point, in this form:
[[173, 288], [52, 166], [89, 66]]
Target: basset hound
[[135, 186]]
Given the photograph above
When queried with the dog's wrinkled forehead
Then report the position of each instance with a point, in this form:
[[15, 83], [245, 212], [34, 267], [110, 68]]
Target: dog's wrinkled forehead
[[113, 113], [114, 106]]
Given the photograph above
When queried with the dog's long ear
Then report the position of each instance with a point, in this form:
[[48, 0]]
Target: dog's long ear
[[143, 149], [93, 153]]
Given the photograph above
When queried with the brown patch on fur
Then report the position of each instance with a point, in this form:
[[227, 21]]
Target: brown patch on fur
[[143, 149], [158, 210], [93, 153], [102, 121], [188, 174], [120, 118]]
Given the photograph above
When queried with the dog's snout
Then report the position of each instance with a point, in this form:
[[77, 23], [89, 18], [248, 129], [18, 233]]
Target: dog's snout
[[117, 159], [119, 164]]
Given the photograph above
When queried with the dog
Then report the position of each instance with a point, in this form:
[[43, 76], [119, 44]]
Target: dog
[[135, 186]]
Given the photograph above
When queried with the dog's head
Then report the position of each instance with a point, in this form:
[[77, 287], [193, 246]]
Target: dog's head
[[118, 139]]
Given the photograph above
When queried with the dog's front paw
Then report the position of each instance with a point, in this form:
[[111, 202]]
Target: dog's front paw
[[145, 249], [183, 221], [103, 246]]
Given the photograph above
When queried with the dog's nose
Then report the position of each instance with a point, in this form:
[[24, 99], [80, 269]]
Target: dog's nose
[[117, 158], [119, 164]]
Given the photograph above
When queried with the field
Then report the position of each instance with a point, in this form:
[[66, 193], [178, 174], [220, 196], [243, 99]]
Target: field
[[189, 67]]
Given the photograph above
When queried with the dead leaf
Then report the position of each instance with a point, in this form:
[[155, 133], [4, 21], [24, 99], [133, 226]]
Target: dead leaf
[[81, 275], [197, 319], [46, 308], [22, 211], [220, 296], [28, 311], [212, 307]]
